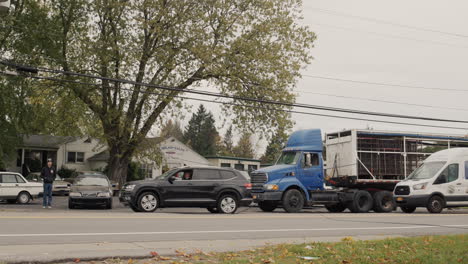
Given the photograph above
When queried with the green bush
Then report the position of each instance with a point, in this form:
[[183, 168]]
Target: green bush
[[134, 172], [65, 172]]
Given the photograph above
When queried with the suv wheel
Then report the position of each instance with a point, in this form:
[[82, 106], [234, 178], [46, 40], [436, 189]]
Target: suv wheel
[[227, 204], [293, 201], [435, 204], [267, 206], [148, 202], [212, 210], [23, 198]]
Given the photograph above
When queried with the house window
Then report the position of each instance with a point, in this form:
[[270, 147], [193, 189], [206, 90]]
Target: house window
[[239, 167], [147, 170], [226, 165], [75, 157]]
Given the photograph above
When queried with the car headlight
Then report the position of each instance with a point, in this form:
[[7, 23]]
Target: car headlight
[[271, 187], [75, 194], [104, 194], [420, 186], [129, 187]]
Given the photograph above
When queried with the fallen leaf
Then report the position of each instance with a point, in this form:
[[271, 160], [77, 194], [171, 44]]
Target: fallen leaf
[[77, 260], [154, 253]]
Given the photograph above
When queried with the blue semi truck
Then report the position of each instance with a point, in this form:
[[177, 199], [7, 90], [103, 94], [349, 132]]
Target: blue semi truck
[[299, 179]]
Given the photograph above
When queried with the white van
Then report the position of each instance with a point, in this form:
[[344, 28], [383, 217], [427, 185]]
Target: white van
[[440, 182]]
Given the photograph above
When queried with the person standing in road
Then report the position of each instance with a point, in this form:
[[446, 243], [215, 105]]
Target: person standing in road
[[48, 174]]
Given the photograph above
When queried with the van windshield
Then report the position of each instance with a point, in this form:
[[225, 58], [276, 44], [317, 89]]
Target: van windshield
[[288, 158], [426, 170]]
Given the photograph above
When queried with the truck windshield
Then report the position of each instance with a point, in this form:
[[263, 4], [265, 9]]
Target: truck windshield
[[288, 158], [426, 170]]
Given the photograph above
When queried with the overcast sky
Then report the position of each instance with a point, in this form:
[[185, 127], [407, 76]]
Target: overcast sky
[[362, 50]]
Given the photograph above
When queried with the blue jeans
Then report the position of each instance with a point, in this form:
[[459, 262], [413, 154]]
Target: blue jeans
[[47, 195]]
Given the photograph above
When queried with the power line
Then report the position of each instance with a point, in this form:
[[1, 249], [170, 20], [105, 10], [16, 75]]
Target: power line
[[382, 83], [308, 106], [390, 35], [250, 106], [383, 101], [374, 20]]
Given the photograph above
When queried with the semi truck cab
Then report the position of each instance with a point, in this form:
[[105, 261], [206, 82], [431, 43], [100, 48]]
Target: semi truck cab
[[298, 171]]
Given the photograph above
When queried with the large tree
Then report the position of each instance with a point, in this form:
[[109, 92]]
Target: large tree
[[247, 48]]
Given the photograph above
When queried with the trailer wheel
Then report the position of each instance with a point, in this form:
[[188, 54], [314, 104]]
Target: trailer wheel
[[293, 201], [383, 202], [361, 203], [267, 206], [335, 208]]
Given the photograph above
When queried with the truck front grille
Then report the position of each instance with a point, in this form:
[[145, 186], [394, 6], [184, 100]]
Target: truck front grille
[[258, 179], [402, 190]]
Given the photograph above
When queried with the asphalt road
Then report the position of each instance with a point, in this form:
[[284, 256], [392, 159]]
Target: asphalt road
[[32, 233]]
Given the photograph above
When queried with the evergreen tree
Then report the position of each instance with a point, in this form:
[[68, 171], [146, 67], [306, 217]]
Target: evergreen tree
[[277, 141], [173, 129], [201, 134], [244, 148], [227, 144]]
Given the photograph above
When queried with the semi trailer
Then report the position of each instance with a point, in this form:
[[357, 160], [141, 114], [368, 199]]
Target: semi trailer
[[363, 167]]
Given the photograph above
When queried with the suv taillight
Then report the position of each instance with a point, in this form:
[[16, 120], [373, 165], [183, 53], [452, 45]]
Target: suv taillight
[[248, 186]]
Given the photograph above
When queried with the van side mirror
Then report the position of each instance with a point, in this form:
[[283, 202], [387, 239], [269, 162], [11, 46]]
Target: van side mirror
[[308, 160]]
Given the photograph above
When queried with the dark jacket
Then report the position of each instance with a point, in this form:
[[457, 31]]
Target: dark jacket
[[48, 174]]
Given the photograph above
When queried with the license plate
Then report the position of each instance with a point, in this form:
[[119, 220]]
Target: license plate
[[399, 199]]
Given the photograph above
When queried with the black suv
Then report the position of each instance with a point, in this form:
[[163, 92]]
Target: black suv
[[220, 190]]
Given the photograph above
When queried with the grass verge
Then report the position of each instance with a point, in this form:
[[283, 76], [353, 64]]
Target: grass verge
[[426, 249]]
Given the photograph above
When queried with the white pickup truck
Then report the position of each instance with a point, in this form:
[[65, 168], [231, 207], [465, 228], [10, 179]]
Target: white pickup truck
[[15, 188]]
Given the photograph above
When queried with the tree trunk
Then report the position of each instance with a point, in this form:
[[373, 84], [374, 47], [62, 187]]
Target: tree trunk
[[118, 165]]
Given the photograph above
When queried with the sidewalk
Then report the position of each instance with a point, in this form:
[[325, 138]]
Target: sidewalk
[[69, 252]]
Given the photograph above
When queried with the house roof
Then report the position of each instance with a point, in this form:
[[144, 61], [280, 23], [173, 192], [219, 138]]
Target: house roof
[[45, 141], [147, 144], [232, 158], [101, 156]]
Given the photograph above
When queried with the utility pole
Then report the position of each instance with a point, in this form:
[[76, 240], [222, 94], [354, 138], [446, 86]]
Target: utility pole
[[4, 6]]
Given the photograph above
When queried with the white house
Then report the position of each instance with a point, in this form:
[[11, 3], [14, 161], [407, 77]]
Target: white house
[[84, 154]]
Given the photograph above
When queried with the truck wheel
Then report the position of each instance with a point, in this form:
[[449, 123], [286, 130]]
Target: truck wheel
[[361, 203], [407, 209], [383, 202], [293, 201], [335, 208], [148, 202], [267, 206], [435, 204]]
